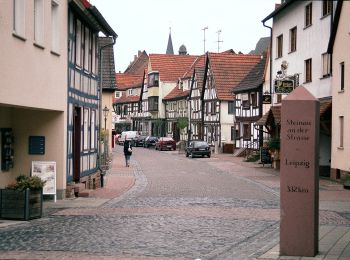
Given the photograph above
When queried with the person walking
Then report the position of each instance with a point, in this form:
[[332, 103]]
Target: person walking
[[127, 152]]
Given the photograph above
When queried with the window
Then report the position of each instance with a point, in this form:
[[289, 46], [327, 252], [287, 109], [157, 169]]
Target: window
[[253, 99], [231, 108], [245, 101], [93, 54], [54, 27], [326, 8], [93, 129], [279, 46], [213, 108], [326, 64], [153, 104], [87, 48], [117, 94], [293, 39], [341, 131], [153, 79], [308, 15], [308, 70], [85, 128], [19, 17], [246, 131], [342, 76], [125, 112], [78, 43], [39, 21], [233, 133], [130, 92]]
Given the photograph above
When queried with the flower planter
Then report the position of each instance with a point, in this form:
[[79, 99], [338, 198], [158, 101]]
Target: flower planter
[[21, 205]]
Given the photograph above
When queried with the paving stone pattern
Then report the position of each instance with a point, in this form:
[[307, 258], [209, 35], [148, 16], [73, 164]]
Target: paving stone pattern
[[178, 208]]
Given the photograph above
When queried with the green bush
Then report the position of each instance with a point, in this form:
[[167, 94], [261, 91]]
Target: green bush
[[23, 182]]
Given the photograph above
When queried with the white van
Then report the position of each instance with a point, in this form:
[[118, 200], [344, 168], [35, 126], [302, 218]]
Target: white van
[[129, 135]]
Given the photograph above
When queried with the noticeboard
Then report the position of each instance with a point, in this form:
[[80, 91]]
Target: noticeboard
[[46, 170]]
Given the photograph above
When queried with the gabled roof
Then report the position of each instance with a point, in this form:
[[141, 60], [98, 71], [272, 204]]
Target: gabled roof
[[198, 63], [261, 46], [278, 10], [92, 16], [139, 65], [170, 67], [107, 64], [229, 70], [176, 93], [126, 81], [254, 79]]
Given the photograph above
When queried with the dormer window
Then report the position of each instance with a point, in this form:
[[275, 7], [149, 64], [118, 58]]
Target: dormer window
[[117, 94], [130, 92], [153, 79]]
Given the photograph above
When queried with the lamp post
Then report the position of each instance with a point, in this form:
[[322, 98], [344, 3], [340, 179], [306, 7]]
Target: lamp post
[[105, 114]]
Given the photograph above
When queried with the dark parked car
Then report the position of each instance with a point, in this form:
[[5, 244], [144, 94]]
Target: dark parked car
[[198, 148], [167, 143], [150, 141], [140, 140]]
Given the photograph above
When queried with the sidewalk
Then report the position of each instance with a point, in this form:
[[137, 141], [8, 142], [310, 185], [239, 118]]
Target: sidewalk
[[334, 212]]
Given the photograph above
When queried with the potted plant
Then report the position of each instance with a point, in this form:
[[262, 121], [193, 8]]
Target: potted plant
[[22, 199]]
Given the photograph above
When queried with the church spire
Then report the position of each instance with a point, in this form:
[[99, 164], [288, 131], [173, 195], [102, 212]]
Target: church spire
[[169, 48]]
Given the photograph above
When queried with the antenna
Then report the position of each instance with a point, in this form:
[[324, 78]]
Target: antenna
[[205, 28], [219, 41]]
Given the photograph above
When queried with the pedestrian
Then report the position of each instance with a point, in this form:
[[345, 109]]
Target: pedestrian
[[127, 152]]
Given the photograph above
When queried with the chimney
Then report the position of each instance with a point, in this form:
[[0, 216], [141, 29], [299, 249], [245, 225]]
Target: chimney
[[135, 57], [139, 53]]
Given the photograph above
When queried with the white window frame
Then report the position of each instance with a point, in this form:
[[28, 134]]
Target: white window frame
[[78, 38], [326, 64], [19, 18], [55, 23], [117, 94], [86, 129], [93, 130], [39, 22], [86, 48], [130, 92]]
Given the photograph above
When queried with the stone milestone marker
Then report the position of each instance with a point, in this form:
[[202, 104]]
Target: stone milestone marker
[[299, 174]]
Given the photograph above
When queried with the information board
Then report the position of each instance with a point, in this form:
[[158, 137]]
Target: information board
[[46, 170]]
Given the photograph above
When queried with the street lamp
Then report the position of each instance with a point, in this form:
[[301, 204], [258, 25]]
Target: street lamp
[[105, 114]]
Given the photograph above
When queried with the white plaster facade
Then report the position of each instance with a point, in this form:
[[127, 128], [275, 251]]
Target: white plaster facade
[[33, 92], [312, 42]]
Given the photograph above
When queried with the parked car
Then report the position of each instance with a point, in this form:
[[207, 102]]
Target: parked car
[[198, 148], [165, 143], [150, 141], [140, 140], [128, 135]]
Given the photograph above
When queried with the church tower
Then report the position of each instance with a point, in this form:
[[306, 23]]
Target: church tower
[[169, 48]]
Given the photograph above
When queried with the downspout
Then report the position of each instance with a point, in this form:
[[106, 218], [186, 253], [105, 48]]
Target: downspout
[[270, 59], [100, 103]]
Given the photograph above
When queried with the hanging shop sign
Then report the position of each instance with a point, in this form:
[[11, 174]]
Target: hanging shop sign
[[266, 99], [283, 86]]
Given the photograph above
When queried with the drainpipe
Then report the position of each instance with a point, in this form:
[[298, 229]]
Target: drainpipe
[[270, 60], [100, 105]]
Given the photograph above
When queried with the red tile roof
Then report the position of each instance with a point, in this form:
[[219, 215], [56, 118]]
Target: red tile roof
[[126, 81], [126, 99], [198, 63], [229, 70], [170, 67], [176, 93]]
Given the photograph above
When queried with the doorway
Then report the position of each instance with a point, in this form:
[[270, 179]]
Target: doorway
[[76, 143]]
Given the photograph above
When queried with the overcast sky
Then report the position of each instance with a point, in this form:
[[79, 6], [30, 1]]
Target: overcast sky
[[144, 25]]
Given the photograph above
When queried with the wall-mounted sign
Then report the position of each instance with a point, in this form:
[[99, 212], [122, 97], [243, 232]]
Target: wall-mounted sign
[[283, 86], [266, 99]]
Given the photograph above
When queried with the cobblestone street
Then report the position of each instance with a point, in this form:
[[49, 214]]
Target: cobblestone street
[[172, 207]]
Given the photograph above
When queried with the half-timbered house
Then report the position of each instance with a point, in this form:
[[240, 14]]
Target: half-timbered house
[[223, 71], [248, 107], [84, 91], [126, 101], [164, 72]]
